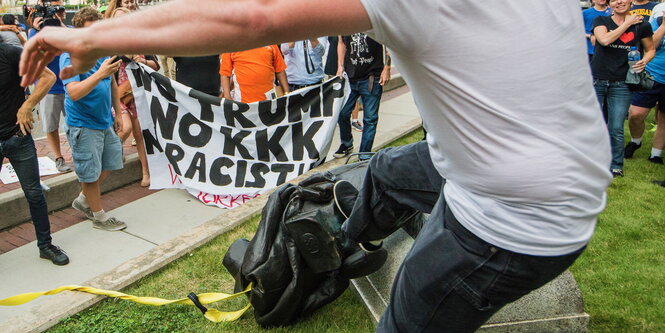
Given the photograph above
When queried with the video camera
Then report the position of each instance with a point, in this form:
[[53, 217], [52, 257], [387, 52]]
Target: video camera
[[47, 11]]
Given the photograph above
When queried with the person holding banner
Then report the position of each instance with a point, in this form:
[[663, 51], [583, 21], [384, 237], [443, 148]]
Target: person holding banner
[[96, 148], [253, 73], [513, 196], [17, 145]]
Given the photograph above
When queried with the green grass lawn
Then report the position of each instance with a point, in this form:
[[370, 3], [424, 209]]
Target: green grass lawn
[[622, 274]]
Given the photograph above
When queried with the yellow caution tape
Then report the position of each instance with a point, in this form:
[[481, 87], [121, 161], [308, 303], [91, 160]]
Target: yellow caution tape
[[205, 298]]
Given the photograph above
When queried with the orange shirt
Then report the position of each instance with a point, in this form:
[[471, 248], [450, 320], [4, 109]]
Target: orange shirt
[[253, 71]]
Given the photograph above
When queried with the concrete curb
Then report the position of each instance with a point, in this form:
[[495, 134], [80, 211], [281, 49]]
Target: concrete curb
[[58, 307], [65, 188]]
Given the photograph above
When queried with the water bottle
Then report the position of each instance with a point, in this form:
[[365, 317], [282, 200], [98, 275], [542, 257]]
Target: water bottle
[[633, 56]]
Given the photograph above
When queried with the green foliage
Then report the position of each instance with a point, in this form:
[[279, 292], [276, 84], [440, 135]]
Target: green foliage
[[622, 272]]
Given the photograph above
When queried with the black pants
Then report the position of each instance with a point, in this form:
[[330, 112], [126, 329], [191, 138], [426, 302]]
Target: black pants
[[451, 280]]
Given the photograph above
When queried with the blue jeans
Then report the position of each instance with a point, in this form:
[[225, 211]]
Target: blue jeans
[[618, 98], [21, 153], [451, 280], [371, 100]]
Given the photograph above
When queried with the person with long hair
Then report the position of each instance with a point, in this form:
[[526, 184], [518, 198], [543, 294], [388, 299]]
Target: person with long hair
[[130, 121], [615, 35], [130, 5]]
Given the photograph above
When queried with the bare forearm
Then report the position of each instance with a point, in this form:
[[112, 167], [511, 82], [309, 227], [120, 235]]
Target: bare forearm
[[341, 52], [160, 30], [46, 81], [78, 90], [283, 81], [226, 86], [604, 37], [658, 36]]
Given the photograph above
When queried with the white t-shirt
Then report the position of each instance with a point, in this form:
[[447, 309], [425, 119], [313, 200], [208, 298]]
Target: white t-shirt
[[505, 92], [657, 11]]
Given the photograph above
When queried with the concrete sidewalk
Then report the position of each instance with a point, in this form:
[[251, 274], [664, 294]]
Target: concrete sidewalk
[[161, 227]]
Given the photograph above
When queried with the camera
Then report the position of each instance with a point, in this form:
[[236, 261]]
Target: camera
[[46, 11]]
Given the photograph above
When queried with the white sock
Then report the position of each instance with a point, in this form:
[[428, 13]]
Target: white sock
[[636, 140], [82, 199], [354, 120], [656, 152], [100, 215]]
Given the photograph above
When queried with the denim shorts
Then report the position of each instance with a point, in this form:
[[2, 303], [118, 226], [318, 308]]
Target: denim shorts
[[93, 151]]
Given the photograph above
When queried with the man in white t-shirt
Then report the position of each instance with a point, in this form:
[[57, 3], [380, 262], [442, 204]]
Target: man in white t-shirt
[[513, 126]]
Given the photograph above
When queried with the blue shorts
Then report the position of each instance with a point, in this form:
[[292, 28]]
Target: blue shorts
[[648, 99], [93, 151]]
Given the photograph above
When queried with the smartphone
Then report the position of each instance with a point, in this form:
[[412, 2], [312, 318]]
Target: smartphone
[[115, 59]]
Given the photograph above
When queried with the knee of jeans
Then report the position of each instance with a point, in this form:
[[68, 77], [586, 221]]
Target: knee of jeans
[[34, 195]]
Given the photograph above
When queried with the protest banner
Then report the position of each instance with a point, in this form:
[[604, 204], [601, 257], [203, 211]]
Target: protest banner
[[46, 168], [226, 152]]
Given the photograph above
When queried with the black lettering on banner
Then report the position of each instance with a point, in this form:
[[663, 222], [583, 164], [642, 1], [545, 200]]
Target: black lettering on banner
[[283, 170], [216, 176], [164, 86], [145, 77], [301, 169], [257, 171], [137, 77], [266, 115], [184, 130], [241, 173], [299, 104], [151, 143], [206, 101], [305, 141], [234, 111], [166, 122], [266, 145], [233, 142], [330, 94], [174, 154], [198, 165]]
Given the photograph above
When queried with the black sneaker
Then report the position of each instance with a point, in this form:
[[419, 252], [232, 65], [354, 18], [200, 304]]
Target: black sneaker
[[55, 254], [617, 173], [343, 151], [630, 149], [655, 159]]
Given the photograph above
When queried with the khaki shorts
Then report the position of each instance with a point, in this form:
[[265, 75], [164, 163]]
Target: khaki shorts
[[50, 108]]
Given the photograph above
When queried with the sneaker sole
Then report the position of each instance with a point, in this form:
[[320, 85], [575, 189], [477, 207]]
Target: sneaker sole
[[55, 263], [108, 229], [82, 209]]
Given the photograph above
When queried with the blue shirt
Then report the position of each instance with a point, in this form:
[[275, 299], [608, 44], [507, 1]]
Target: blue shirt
[[94, 110], [58, 88], [589, 15], [657, 65], [304, 64]]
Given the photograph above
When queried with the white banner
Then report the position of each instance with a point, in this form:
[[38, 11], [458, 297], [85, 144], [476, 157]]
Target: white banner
[[226, 152]]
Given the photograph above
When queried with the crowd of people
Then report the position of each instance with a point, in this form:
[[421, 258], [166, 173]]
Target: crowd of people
[[100, 114], [613, 28]]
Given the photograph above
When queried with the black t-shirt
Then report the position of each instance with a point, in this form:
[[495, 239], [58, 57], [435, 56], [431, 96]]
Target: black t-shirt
[[200, 73], [611, 62], [12, 95], [364, 57]]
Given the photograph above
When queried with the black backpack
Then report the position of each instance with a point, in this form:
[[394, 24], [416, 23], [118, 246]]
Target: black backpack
[[299, 260]]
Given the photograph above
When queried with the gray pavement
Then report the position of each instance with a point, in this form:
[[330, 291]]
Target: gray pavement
[[161, 227]]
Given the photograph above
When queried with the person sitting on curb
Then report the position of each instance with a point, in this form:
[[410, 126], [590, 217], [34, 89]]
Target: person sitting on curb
[[96, 148], [16, 143]]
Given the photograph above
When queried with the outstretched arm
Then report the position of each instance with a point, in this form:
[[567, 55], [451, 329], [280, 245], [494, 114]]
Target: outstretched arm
[[221, 26]]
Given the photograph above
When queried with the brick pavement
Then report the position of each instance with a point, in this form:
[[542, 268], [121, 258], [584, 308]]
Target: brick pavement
[[44, 150], [25, 233]]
